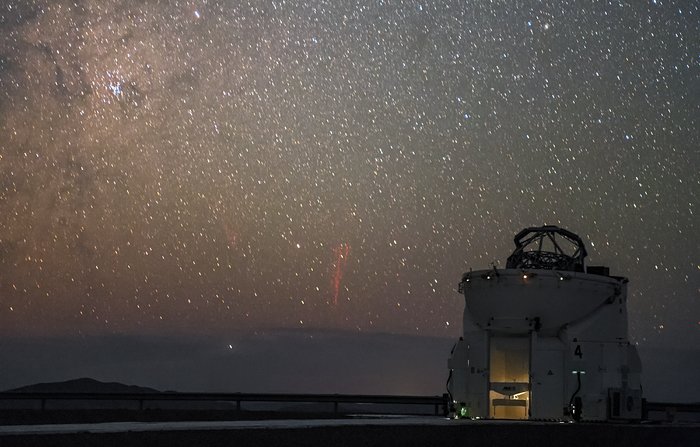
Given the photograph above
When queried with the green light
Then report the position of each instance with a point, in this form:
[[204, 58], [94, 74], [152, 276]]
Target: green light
[[463, 411]]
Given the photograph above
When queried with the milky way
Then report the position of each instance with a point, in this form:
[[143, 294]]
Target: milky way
[[193, 166]]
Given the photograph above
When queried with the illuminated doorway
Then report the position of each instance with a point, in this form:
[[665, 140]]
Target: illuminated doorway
[[509, 377]]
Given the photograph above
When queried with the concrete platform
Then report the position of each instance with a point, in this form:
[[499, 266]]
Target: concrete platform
[[360, 431]]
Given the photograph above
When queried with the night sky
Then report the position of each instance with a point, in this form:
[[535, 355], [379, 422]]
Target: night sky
[[198, 167]]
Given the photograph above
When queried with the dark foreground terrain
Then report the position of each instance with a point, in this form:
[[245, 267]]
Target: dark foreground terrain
[[72, 416], [357, 432]]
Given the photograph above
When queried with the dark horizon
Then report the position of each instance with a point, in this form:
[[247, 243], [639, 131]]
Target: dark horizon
[[285, 361]]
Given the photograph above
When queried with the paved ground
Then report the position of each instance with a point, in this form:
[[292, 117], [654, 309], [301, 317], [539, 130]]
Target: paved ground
[[388, 431]]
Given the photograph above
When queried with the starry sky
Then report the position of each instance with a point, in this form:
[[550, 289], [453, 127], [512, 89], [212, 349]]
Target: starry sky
[[205, 166]]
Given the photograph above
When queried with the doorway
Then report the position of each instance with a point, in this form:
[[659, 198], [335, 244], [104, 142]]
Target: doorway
[[509, 377]]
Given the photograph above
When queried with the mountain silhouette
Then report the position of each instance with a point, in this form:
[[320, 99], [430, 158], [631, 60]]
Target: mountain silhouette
[[83, 385]]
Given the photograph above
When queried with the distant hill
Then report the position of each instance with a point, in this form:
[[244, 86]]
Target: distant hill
[[83, 385]]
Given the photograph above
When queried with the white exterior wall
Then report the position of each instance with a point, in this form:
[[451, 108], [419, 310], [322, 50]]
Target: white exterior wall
[[575, 325]]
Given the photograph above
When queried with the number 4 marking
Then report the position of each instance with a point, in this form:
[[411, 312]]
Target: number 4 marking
[[577, 352]]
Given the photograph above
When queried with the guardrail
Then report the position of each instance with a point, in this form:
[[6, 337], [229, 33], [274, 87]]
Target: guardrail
[[669, 409], [438, 402]]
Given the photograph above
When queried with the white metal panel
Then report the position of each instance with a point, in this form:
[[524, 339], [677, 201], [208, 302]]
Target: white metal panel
[[547, 384], [551, 298]]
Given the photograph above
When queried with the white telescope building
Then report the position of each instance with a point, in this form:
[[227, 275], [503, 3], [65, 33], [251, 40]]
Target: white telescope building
[[545, 338]]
